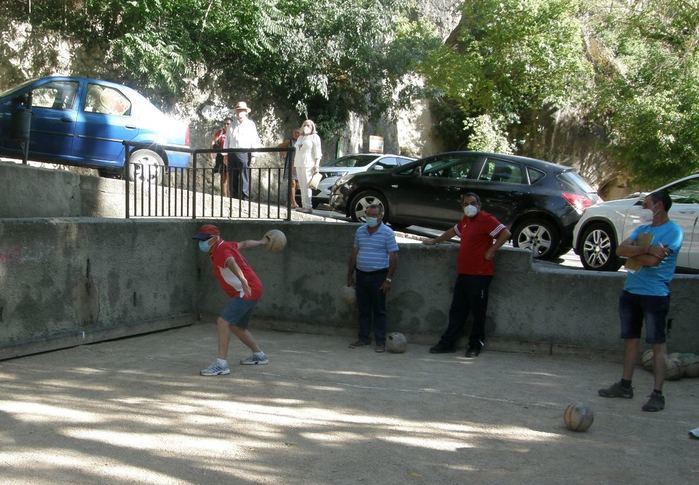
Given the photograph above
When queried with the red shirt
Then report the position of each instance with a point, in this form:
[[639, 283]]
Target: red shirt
[[219, 138], [477, 236], [229, 282]]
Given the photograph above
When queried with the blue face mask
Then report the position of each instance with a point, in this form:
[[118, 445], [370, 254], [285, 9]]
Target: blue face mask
[[204, 246], [372, 221]]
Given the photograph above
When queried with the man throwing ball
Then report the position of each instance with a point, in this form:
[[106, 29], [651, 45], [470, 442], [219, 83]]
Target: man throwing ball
[[240, 282]]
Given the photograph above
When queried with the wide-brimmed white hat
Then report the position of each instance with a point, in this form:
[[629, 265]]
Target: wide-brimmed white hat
[[242, 106]]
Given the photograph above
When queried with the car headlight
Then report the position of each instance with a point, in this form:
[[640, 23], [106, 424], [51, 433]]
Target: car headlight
[[344, 179]]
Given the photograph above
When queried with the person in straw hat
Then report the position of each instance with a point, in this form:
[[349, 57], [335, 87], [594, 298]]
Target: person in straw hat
[[241, 134]]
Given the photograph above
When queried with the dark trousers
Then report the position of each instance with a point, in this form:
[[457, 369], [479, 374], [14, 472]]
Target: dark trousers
[[371, 301], [470, 296], [239, 175]]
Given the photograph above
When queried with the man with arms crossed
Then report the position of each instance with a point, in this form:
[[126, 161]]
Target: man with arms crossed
[[646, 296]]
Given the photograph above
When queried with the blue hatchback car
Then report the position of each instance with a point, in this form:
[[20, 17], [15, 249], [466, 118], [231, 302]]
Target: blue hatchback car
[[82, 121]]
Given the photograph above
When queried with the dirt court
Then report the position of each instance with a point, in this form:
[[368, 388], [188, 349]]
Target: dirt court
[[136, 411]]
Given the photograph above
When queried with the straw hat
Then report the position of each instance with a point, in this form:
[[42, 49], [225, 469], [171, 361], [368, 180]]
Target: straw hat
[[242, 106]]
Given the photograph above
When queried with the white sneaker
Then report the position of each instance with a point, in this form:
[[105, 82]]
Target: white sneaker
[[215, 369], [258, 358]]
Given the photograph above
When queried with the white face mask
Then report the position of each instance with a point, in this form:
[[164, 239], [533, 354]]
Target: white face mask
[[470, 210], [646, 215], [372, 221], [306, 130]]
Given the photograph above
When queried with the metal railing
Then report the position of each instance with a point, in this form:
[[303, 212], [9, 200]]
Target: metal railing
[[155, 190]]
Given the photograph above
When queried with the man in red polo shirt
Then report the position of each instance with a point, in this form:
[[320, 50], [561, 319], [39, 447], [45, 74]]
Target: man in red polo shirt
[[240, 282], [481, 235]]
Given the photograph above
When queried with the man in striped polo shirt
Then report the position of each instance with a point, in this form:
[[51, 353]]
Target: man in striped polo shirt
[[481, 235], [372, 264]]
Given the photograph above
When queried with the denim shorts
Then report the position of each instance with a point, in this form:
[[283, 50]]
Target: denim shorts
[[634, 309], [237, 312]]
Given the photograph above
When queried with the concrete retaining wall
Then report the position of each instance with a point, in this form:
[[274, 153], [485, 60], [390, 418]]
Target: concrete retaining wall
[[69, 281], [106, 278], [40, 192]]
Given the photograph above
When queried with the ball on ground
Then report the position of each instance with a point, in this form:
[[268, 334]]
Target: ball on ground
[[578, 417], [647, 360], [691, 366], [396, 343], [349, 295], [276, 240], [673, 368]]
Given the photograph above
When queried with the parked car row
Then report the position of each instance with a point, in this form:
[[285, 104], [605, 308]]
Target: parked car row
[[540, 201], [82, 121], [604, 226], [332, 170]]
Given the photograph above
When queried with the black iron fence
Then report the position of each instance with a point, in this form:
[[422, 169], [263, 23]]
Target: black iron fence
[[230, 190]]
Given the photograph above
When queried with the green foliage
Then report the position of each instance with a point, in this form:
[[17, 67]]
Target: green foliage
[[323, 58], [649, 101], [487, 134], [511, 55]]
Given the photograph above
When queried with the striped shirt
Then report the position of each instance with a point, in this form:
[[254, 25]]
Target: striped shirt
[[373, 249]]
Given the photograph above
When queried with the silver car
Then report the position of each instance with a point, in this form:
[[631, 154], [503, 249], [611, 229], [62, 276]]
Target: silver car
[[332, 170], [604, 226]]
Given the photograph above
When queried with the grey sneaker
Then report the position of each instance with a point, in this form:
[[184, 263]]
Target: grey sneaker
[[215, 370], [656, 402], [258, 358], [616, 390]]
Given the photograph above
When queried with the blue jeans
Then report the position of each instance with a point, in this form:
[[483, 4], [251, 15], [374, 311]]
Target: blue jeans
[[470, 296], [371, 301]]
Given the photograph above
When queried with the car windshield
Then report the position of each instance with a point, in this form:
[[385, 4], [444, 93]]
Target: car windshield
[[575, 182], [351, 161]]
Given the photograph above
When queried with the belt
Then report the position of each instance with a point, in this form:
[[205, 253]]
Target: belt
[[372, 272]]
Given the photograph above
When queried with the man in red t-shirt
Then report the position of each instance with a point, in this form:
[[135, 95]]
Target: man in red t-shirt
[[481, 235], [240, 282]]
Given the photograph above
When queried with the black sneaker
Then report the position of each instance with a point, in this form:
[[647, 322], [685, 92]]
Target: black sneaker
[[616, 390], [442, 349], [656, 402], [473, 351], [357, 344]]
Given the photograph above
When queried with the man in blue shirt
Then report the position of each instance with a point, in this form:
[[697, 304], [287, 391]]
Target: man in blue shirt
[[371, 266], [646, 297]]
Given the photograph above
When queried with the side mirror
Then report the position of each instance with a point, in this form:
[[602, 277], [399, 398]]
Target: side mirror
[[377, 167]]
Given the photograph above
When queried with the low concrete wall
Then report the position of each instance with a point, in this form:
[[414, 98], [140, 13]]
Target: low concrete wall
[[533, 307], [69, 281], [41, 192], [106, 278]]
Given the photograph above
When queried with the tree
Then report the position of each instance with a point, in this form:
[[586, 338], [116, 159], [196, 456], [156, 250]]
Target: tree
[[647, 94], [322, 58], [508, 56]]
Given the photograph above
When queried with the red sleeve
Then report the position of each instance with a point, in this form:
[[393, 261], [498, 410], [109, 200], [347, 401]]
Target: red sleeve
[[459, 226], [226, 251], [492, 225]]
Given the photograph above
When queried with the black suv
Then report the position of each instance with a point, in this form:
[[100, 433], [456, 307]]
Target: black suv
[[539, 201]]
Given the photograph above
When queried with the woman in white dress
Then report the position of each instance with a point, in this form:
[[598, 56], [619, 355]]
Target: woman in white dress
[[306, 161]]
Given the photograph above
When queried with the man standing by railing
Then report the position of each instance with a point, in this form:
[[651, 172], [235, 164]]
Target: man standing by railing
[[241, 134]]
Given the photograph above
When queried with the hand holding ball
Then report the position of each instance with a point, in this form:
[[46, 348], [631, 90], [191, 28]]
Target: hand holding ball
[[276, 240], [349, 295]]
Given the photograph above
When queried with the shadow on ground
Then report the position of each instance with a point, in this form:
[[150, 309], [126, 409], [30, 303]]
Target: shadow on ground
[[135, 410]]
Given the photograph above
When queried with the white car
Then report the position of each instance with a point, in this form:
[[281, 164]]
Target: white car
[[360, 162], [603, 226]]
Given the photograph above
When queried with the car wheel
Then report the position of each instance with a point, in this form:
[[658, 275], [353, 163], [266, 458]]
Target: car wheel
[[598, 248], [363, 200], [145, 166], [538, 235]]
